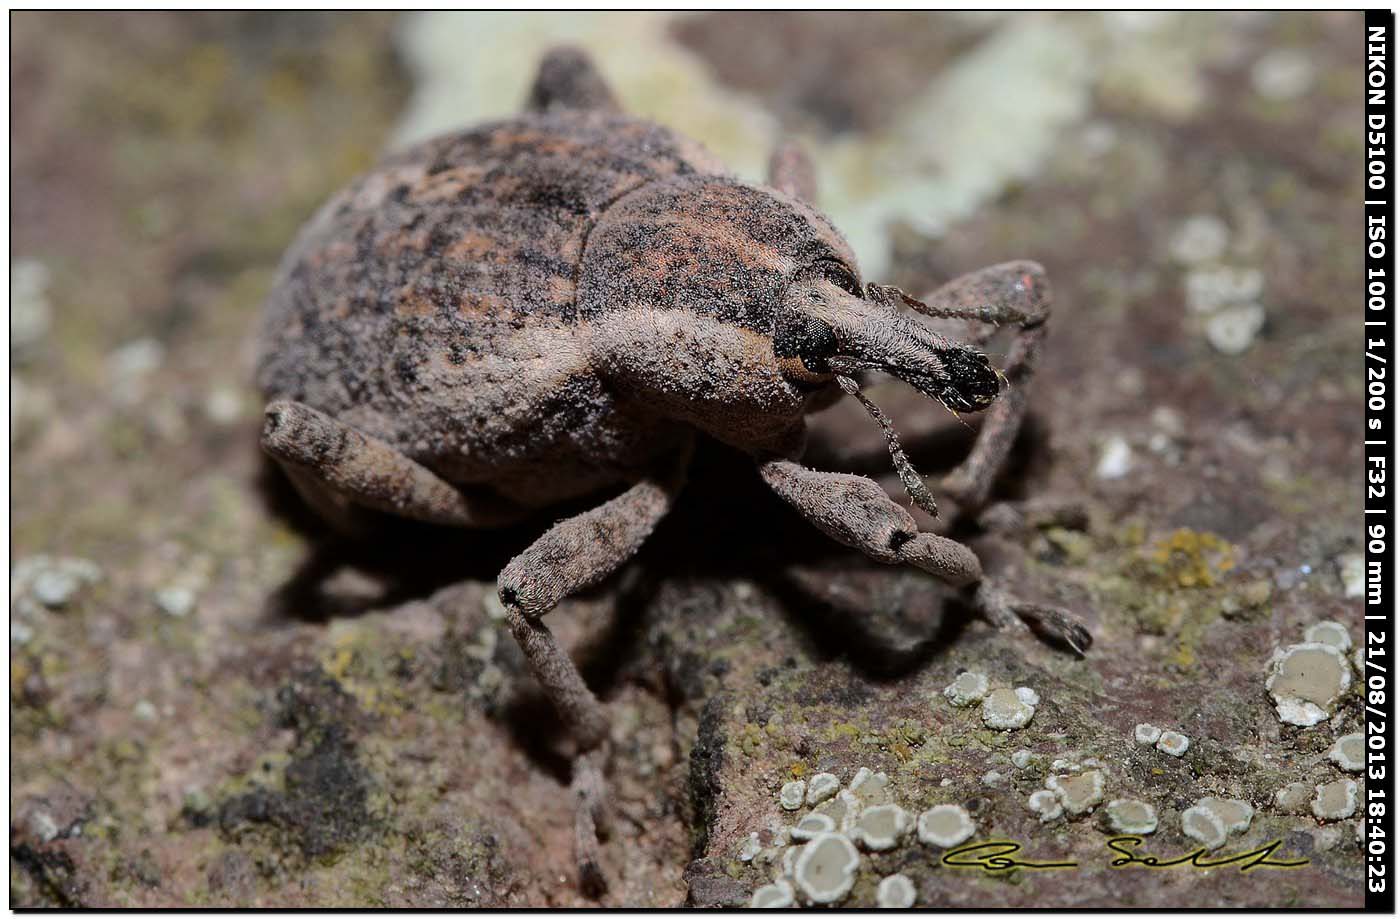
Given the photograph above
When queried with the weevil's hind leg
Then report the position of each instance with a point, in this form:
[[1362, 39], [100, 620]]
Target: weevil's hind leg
[[337, 468], [790, 171], [575, 554], [1010, 293], [568, 79]]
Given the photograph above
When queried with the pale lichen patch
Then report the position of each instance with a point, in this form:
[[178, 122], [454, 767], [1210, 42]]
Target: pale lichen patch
[[812, 826], [792, 794], [1349, 752], [825, 869], [1329, 632], [1235, 815], [967, 689], [822, 786], [1293, 798], [1147, 734], [880, 828], [842, 809], [1204, 825], [1173, 743], [1127, 815], [1079, 794], [895, 892], [869, 788], [1005, 710], [1200, 238], [1046, 804], [1335, 800], [946, 825], [777, 895], [1305, 680]]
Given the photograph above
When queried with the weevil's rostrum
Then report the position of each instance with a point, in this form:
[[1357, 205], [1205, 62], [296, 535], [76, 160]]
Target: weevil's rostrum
[[556, 305]]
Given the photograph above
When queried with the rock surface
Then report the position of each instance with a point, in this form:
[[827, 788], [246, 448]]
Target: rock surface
[[342, 725]]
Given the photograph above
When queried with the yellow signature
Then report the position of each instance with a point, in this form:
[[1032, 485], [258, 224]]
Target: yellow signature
[[1254, 858], [998, 855], [994, 856]]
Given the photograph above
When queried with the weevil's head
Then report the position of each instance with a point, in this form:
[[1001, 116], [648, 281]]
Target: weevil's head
[[738, 308], [827, 324]]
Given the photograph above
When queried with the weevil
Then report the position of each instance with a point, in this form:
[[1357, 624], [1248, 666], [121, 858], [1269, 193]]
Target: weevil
[[557, 305]]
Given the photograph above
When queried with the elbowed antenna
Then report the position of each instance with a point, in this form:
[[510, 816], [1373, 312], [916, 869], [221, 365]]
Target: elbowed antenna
[[913, 482], [884, 339]]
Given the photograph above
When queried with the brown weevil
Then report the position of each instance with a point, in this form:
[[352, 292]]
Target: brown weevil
[[557, 304]]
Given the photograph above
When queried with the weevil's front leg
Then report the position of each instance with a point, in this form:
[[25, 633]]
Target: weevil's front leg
[[1006, 612], [335, 466], [575, 554], [790, 171], [1010, 293], [856, 512], [568, 79]]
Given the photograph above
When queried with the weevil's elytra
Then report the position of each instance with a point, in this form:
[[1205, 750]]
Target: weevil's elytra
[[556, 305]]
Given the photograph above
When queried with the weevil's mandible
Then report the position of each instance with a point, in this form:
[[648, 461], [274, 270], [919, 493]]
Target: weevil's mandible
[[556, 305]]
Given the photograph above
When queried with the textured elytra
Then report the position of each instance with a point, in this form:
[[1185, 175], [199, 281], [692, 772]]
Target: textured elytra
[[444, 303]]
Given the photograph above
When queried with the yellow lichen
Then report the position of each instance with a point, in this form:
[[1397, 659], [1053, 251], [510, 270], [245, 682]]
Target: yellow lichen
[[1189, 559], [750, 738], [842, 730]]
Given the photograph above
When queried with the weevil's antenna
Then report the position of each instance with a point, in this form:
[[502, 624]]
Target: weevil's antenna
[[908, 475], [891, 294]]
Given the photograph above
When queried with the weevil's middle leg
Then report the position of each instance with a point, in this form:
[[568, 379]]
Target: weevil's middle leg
[[574, 554], [568, 79], [790, 171], [337, 468], [1010, 293]]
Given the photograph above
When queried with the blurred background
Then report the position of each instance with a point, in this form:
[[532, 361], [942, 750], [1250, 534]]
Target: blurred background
[[1191, 181]]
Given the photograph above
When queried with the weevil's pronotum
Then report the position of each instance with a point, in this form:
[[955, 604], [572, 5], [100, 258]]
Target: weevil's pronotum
[[556, 305]]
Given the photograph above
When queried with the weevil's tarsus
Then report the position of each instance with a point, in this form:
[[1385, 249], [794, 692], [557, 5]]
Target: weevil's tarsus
[[590, 793], [1007, 613], [908, 475]]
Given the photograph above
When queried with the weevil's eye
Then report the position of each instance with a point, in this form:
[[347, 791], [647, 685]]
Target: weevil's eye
[[840, 275], [804, 345]]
